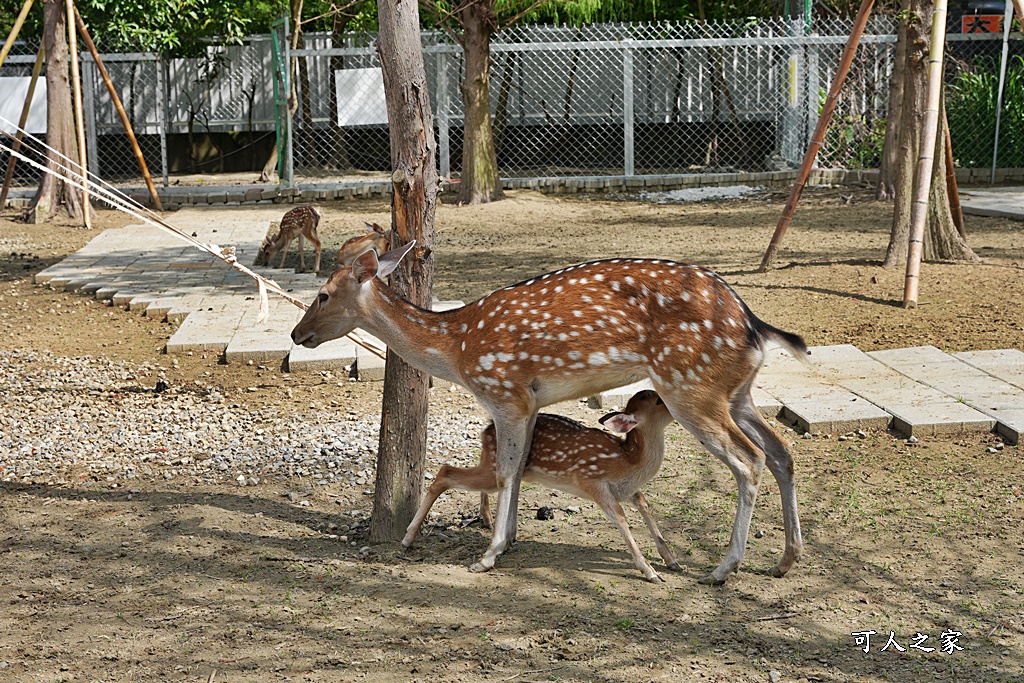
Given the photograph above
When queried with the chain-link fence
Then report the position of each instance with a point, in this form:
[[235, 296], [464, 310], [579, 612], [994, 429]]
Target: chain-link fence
[[605, 100]]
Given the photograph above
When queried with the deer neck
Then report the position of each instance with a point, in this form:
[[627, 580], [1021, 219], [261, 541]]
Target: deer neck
[[422, 338], [647, 450]]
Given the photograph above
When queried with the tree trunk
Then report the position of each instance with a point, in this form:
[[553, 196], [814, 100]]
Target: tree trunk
[[942, 241], [480, 181], [915, 85], [942, 238], [60, 132], [886, 189], [403, 428]]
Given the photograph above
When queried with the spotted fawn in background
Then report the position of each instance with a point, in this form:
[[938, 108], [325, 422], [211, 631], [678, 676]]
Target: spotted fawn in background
[[574, 333], [375, 238], [299, 222], [583, 461]]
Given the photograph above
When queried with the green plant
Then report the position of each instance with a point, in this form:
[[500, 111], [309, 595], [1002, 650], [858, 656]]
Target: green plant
[[623, 624], [971, 99]]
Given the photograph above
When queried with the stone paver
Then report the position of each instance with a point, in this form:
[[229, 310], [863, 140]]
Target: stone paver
[[1005, 364], [337, 354], [1004, 202], [613, 399], [812, 401], [999, 400]]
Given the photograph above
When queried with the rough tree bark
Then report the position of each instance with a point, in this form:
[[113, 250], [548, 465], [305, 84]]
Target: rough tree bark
[[480, 182], [60, 132], [403, 430], [942, 240], [890, 149]]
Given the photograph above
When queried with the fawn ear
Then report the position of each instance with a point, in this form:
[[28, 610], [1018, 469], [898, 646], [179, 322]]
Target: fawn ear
[[373, 227], [619, 422], [366, 266], [390, 260]]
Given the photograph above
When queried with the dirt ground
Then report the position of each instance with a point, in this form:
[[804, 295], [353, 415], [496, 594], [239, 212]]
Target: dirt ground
[[186, 581]]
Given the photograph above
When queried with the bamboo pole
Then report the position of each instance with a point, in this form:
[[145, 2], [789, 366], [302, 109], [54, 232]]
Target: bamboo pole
[[952, 189], [15, 30], [22, 122], [819, 134], [76, 82], [115, 98], [926, 159]]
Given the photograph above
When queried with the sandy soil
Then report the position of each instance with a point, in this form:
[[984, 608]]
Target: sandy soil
[[184, 581]]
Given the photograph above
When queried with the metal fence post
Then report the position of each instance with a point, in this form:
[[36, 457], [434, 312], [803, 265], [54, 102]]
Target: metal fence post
[[162, 114], [813, 85], [627, 111], [89, 104], [443, 143]]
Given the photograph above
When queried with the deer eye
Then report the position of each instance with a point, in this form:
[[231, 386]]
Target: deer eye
[[322, 298]]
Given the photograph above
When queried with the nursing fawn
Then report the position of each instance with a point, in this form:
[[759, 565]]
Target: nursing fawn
[[576, 332], [586, 462], [299, 222]]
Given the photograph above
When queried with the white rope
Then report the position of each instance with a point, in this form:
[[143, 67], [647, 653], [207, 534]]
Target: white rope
[[126, 204]]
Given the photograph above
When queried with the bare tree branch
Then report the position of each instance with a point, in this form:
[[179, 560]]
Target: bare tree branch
[[508, 22]]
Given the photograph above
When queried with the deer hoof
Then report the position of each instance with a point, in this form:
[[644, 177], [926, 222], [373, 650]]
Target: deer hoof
[[675, 567], [710, 580], [655, 578], [478, 568], [777, 572]]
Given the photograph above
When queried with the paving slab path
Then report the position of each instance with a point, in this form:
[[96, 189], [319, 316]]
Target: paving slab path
[[918, 391]]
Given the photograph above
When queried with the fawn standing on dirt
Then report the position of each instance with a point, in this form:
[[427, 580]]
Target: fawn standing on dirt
[[375, 238], [299, 222], [574, 333], [583, 461]]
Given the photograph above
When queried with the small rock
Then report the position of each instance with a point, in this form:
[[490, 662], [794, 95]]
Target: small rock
[[292, 496], [774, 676], [759, 533], [861, 433], [304, 503], [252, 481], [843, 437], [571, 510], [807, 435], [160, 387], [991, 449], [241, 480], [912, 439], [545, 513]]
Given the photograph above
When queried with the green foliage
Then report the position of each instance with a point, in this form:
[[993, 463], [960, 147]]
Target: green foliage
[[971, 99], [181, 27]]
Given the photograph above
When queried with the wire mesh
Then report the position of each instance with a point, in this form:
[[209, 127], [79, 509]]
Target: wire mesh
[[602, 100]]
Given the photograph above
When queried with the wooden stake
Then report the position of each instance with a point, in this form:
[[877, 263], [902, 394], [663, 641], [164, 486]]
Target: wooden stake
[[21, 124], [926, 159], [15, 30], [87, 39], [76, 82], [819, 134], [951, 185]]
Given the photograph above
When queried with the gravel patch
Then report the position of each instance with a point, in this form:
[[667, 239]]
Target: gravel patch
[[67, 419]]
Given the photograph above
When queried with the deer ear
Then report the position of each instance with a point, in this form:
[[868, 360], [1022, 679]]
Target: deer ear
[[373, 227], [390, 260], [619, 422], [366, 266]]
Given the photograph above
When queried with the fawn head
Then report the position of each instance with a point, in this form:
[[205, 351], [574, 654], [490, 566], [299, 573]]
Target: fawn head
[[644, 409], [375, 238], [343, 303]]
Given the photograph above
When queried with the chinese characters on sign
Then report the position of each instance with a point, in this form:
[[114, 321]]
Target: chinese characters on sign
[[948, 642]]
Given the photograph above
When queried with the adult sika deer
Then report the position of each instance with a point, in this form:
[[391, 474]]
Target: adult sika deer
[[576, 332], [582, 461]]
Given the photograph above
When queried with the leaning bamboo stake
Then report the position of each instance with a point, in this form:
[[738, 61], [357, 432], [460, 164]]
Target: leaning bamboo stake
[[87, 39], [76, 82], [926, 159], [952, 189], [15, 30], [22, 122], [819, 134]]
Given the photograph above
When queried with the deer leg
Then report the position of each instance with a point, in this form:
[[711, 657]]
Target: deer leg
[[302, 253], [448, 477], [611, 507], [284, 253], [485, 511], [714, 427], [514, 437], [645, 511], [315, 239], [780, 464]]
